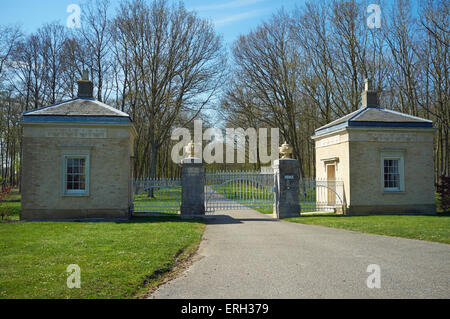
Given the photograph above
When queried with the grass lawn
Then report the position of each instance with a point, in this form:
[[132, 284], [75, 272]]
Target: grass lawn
[[431, 228], [117, 259], [165, 200], [10, 205], [423, 227], [247, 194], [266, 210]]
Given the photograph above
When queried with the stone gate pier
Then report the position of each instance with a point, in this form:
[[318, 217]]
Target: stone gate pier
[[286, 200], [192, 184]]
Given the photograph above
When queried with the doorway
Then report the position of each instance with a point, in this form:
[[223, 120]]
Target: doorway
[[331, 181]]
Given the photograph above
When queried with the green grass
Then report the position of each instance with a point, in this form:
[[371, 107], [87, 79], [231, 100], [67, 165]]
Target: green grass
[[248, 195], [165, 200], [424, 227], [117, 259], [238, 190], [265, 210], [431, 228], [10, 205], [305, 206]]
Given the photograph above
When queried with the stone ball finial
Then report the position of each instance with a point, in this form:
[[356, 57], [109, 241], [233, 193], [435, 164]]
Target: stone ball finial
[[285, 150], [190, 149]]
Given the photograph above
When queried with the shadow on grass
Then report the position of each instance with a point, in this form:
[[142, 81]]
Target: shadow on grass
[[443, 214], [322, 215], [210, 219], [160, 219]]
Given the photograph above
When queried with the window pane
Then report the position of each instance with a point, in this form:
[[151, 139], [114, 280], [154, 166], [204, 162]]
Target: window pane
[[391, 173], [75, 173]]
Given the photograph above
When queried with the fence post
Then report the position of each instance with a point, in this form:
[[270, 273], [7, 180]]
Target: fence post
[[192, 187], [286, 201]]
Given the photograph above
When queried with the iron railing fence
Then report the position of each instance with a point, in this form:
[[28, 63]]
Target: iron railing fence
[[322, 195], [157, 195], [226, 190]]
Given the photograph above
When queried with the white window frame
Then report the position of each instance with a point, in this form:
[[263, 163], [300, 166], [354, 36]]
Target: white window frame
[[401, 164], [67, 192]]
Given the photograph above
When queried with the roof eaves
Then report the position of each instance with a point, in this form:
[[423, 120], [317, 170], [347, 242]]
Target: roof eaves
[[75, 119], [322, 131], [390, 124]]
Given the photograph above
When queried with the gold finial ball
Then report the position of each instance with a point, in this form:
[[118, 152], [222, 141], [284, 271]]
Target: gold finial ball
[[285, 150], [190, 149]]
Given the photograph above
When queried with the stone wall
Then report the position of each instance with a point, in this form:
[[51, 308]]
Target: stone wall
[[367, 194], [359, 153], [110, 149]]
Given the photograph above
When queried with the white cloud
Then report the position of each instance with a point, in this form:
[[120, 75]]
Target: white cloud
[[227, 5], [237, 17]]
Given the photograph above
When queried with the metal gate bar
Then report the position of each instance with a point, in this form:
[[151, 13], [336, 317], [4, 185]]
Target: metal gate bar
[[226, 190]]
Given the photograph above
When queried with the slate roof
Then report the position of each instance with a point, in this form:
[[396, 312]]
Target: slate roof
[[80, 109], [375, 116]]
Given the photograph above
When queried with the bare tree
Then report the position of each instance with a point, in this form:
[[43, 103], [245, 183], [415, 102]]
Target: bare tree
[[435, 93], [177, 67], [53, 37], [9, 37], [95, 38], [269, 61]]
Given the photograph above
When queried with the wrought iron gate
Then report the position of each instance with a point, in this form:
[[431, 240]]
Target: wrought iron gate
[[317, 195], [159, 195], [226, 190]]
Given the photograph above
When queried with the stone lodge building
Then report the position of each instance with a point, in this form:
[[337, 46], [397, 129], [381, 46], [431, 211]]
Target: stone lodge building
[[77, 158], [384, 158]]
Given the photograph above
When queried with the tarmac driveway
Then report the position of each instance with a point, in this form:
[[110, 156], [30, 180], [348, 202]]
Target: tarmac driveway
[[245, 254]]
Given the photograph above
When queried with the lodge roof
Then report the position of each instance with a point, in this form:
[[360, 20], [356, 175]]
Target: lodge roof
[[83, 108], [77, 110], [375, 116]]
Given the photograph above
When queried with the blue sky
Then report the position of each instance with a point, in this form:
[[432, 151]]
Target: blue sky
[[231, 17]]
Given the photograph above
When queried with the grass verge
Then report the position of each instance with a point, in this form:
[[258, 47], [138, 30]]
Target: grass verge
[[117, 259], [432, 228]]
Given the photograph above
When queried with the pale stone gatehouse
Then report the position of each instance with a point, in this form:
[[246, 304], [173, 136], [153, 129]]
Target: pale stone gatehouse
[[77, 158], [384, 158]]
